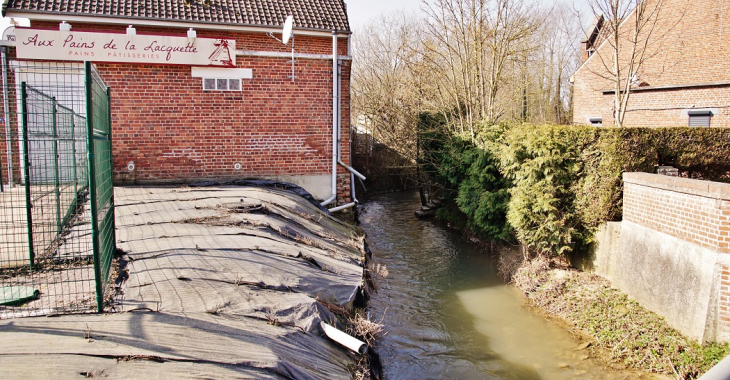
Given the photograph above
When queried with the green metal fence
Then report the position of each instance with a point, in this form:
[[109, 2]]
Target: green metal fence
[[56, 182], [52, 167], [101, 189]]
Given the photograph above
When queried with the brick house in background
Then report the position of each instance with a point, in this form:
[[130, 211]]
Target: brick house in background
[[178, 118], [684, 81]]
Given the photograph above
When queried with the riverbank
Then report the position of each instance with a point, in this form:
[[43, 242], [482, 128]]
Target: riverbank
[[213, 282], [622, 334], [621, 330]]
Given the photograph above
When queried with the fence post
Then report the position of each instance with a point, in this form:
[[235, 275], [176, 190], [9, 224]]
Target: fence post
[[92, 187], [56, 174], [75, 159], [26, 171], [111, 167]]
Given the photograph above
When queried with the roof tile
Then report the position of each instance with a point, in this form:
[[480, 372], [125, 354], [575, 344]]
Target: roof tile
[[308, 14]]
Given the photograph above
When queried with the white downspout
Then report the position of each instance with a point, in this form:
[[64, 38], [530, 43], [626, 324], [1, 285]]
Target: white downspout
[[352, 171], [335, 102]]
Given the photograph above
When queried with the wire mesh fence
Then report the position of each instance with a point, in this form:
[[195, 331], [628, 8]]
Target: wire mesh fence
[[50, 257], [101, 189]]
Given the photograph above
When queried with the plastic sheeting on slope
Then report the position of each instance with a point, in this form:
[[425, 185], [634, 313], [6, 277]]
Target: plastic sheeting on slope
[[223, 283]]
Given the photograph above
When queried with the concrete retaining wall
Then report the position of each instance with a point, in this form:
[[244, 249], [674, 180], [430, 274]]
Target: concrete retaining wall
[[670, 253]]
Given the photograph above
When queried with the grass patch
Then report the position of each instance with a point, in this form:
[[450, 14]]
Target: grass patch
[[628, 333]]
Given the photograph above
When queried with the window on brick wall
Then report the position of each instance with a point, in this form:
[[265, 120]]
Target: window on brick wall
[[699, 118], [596, 121], [221, 84]]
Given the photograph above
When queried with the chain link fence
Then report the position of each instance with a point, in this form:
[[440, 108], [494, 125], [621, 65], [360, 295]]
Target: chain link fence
[[56, 208]]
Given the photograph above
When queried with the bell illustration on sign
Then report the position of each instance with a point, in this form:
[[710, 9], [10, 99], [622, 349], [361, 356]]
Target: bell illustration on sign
[[222, 53]]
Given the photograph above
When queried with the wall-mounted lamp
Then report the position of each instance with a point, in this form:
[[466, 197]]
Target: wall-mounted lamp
[[192, 35], [131, 31], [64, 27]]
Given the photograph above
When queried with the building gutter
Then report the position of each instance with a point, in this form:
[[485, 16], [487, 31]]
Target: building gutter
[[142, 21], [275, 54], [672, 87]]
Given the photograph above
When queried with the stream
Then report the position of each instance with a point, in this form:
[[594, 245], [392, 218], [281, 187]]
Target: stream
[[447, 312]]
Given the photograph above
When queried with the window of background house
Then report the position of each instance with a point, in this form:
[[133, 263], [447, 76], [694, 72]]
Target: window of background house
[[221, 84], [596, 121], [699, 118]]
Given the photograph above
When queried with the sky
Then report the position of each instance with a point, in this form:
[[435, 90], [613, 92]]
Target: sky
[[361, 12]]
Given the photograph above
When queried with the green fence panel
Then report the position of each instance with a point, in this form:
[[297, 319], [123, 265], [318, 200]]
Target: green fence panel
[[57, 234], [101, 189]]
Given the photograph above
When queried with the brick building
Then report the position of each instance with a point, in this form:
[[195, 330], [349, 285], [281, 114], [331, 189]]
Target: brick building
[[208, 93], [684, 79]]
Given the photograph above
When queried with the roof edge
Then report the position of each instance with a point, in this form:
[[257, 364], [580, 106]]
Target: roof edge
[[618, 28], [80, 17]]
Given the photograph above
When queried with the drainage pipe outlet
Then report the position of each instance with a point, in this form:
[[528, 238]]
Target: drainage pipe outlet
[[354, 344], [338, 208]]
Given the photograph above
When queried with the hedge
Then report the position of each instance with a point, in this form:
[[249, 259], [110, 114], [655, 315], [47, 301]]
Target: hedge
[[552, 186]]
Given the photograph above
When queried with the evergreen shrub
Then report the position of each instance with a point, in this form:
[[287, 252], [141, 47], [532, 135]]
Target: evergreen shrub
[[552, 186]]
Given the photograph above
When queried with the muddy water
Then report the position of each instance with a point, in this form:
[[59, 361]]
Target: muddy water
[[449, 315]]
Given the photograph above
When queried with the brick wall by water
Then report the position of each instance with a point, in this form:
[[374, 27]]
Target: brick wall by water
[[724, 299], [691, 210], [174, 131]]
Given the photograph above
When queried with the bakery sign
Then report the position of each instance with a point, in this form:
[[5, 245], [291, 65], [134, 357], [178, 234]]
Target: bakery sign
[[123, 48]]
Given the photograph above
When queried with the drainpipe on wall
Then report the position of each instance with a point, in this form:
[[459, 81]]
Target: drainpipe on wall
[[352, 171], [334, 120], [336, 133]]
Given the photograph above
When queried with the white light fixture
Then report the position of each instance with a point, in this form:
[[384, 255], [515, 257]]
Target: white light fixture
[[131, 31], [64, 27], [192, 35]]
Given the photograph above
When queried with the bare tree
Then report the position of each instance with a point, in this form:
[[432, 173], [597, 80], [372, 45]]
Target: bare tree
[[472, 61], [549, 68], [386, 93], [470, 44], [632, 37]]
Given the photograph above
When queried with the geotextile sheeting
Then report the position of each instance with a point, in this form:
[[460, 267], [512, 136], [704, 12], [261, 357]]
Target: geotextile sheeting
[[223, 282]]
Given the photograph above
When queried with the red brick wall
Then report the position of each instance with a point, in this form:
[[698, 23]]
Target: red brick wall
[[10, 137], [692, 210], [724, 298], [687, 47], [667, 108], [174, 131]]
